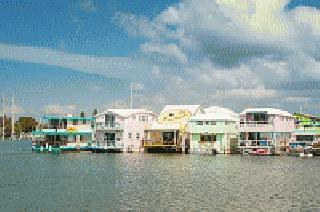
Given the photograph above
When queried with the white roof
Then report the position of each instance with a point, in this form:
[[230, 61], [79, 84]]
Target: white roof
[[191, 108], [220, 110], [159, 126], [216, 113], [127, 112], [267, 110]]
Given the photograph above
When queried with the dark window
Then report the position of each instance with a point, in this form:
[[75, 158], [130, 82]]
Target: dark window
[[109, 120], [168, 136], [304, 138], [208, 138]]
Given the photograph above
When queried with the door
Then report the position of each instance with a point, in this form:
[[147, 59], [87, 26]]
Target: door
[[110, 139]]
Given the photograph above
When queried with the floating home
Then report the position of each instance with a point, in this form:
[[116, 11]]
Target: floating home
[[265, 131], [306, 131], [169, 133], [215, 131], [65, 132], [122, 130]]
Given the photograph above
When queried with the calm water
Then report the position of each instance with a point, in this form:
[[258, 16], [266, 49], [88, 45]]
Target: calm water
[[100, 182]]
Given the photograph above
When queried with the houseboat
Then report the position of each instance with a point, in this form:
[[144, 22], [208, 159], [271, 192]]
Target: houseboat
[[215, 131], [169, 133], [65, 133], [265, 131], [122, 130], [306, 134]]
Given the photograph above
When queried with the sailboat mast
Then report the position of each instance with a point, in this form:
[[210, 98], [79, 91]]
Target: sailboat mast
[[3, 121], [12, 120]]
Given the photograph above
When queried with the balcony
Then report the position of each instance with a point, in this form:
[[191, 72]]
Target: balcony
[[110, 144], [250, 144], [256, 126], [159, 143], [115, 126], [72, 131]]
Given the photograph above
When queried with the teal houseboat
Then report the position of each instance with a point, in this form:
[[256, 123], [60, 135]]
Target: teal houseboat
[[64, 132]]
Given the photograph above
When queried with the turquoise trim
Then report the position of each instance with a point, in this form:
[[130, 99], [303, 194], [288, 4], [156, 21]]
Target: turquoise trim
[[37, 132], [89, 118]]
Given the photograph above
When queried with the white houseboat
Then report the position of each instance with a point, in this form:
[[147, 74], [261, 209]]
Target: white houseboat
[[122, 130]]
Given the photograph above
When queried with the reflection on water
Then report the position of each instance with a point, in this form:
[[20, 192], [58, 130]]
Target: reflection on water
[[98, 182]]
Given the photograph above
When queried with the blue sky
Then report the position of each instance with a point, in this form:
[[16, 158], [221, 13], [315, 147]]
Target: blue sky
[[66, 56]]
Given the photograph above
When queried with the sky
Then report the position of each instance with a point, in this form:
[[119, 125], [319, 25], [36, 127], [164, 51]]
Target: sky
[[60, 56]]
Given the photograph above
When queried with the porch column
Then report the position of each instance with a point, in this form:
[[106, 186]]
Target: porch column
[[183, 144]]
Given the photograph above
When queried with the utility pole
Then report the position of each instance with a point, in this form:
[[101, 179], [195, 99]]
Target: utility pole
[[3, 121]]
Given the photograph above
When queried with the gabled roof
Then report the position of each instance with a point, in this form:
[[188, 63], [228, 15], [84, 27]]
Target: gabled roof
[[127, 112], [267, 110], [191, 108]]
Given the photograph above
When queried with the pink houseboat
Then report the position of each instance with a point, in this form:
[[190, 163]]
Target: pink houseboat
[[265, 131]]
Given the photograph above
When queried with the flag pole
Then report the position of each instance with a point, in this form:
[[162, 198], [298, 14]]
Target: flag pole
[[131, 97]]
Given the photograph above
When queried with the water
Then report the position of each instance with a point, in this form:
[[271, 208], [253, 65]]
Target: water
[[15, 146], [105, 182]]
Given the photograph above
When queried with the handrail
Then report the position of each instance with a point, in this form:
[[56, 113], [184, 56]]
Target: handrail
[[256, 122], [246, 143]]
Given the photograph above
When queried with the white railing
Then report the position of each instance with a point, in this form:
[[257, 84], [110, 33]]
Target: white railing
[[255, 123], [110, 144], [255, 143], [102, 126]]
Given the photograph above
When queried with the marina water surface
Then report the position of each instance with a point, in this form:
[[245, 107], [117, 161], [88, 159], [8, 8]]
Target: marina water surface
[[100, 182]]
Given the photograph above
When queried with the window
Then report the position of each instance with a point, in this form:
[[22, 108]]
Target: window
[[207, 137], [142, 118], [168, 136], [229, 122], [75, 122], [304, 138], [207, 122], [109, 120], [171, 114], [213, 123], [199, 122], [137, 135], [129, 135], [84, 121]]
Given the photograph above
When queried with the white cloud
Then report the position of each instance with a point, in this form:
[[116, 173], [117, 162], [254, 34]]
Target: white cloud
[[59, 109], [218, 51], [250, 94], [307, 17], [87, 5], [120, 67], [171, 51]]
